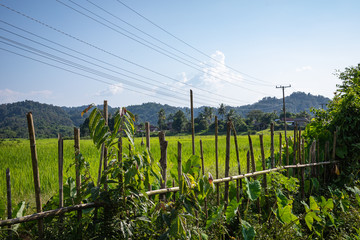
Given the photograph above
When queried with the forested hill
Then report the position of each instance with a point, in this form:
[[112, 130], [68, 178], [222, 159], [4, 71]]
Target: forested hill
[[50, 120]]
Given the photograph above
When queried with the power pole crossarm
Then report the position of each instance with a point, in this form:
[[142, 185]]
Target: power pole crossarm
[[283, 90]]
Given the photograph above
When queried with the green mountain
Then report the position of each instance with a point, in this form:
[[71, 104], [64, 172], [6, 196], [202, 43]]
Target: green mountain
[[50, 120]]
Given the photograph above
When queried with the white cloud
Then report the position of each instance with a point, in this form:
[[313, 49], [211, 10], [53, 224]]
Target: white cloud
[[9, 96], [302, 69], [112, 90]]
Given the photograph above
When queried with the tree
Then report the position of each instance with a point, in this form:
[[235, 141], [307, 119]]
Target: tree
[[179, 121], [222, 110], [208, 114], [161, 119], [342, 115]]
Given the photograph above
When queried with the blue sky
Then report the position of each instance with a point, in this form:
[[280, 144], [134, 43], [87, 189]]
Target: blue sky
[[232, 52]]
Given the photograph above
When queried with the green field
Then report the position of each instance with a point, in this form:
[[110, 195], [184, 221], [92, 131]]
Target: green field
[[15, 154]]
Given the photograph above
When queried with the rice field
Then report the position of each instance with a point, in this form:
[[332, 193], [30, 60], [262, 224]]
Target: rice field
[[15, 155]]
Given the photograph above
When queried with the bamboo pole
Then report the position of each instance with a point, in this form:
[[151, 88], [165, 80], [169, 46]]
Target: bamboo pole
[[326, 151], [302, 161], [252, 155], [287, 154], [334, 147], [203, 173], [248, 161], [77, 176], [238, 182], [147, 132], [272, 146], [8, 195], [217, 160], [227, 163], [179, 167], [35, 168], [192, 122], [295, 149], [280, 150], [60, 169], [106, 117], [299, 149], [263, 163], [163, 160]]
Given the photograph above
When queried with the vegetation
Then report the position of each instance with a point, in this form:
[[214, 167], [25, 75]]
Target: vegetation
[[51, 120]]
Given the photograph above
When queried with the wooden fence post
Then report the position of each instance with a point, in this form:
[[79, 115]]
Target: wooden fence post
[[203, 173], [248, 161], [8, 195], [295, 151], [302, 161], [61, 173], [35, 168], [334, 146], [299, 150], [163, 161], [263, 163], [192, 122], [106, 117], [217, 161], [227, 163], [326, 151], [252, 155], [280, 150], [77, 176], [180, 168], [272, 145], [287, 155], [239, 181], [147, 133]]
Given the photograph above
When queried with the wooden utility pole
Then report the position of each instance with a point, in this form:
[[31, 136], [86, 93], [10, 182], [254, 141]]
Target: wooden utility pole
[[283, 90]]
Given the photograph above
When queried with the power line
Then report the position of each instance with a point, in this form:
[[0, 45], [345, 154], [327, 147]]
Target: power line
[[157, 39], [111, 54], [169, 88], [153, 46], [189, 45], [283, 90]]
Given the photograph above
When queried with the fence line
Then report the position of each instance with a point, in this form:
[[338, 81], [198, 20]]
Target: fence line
[[297, 164]]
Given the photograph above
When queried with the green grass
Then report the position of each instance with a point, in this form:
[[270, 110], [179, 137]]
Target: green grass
[[15, 154]]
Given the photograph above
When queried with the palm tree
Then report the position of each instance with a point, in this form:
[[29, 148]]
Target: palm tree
[[222, 110]]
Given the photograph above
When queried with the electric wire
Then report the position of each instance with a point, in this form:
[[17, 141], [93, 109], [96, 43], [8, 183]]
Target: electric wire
[[112, 54], [189, 45], [199, 97], [86, 76], [162, 42], [153, 46]]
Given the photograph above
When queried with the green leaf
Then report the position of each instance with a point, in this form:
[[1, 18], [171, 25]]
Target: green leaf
[[215, 216], [309, 220], [253, 189], [247, 231], [231, 210], [313, 205], [286, 216], [281, 198]]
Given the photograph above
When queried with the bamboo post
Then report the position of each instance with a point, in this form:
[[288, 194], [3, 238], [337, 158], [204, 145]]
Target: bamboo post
[[326, 151], [77, 176], [163, 161], [263, 163], [147, 132], [217, 161], [280, 150], [192, 122], [203, 173], [61, 174], [299, 149], [8, 195], [252, 155], [272, 145], [60, 169], [334, 147], [35, 168], [248, 161], [302, 161], [106, 117], [227, 163], [238, 182], [318, 155], [295, 150], [287, 155], [179, 168]]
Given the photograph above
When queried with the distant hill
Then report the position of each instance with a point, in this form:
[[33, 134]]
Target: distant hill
[[49, 120]]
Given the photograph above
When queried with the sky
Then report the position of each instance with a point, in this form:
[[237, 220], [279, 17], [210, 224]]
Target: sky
[[72, 53]]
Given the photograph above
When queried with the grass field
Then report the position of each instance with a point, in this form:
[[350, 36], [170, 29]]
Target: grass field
[[15, 154]]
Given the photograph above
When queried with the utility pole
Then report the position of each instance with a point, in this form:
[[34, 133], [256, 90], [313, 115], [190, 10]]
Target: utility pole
[[283, 90]]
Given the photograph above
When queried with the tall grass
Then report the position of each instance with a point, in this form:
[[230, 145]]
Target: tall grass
[[15, 154]]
